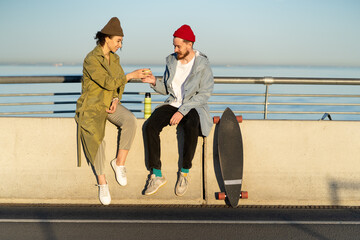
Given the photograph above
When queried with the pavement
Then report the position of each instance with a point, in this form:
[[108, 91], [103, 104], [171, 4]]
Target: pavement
[[177, 222]]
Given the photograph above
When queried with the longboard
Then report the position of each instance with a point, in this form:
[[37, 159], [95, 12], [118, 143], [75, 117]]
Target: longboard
[[230, 149]]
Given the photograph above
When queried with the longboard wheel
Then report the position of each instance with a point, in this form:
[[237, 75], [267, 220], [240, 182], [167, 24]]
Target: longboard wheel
[[216, 119], [239, 119], [221, 196], [244, 195]]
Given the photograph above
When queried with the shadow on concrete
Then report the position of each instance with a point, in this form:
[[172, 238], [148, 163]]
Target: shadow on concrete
[[146, 150], [80, 148], [118, 140], [146, 157], [180, 144], [216, 163], [336, 186]]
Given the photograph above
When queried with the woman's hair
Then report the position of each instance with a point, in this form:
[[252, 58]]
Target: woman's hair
[[100, 38]]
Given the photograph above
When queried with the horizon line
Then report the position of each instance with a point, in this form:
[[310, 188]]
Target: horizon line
[[65, 64]]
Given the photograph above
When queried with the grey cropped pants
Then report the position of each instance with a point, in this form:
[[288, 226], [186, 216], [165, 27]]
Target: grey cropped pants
[[126, 122]]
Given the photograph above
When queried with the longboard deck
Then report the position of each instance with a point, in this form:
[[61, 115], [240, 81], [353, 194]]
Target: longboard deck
[[230, 149]]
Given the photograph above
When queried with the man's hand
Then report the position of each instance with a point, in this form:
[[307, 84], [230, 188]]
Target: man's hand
[[149, 79], [113, 106], [176, 118]]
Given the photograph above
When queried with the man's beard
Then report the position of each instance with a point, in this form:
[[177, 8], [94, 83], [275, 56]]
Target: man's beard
[[180, 57]]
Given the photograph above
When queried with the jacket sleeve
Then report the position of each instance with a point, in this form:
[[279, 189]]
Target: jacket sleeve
[[119, 91], [201, 96], [116, 94], [97, 73], [160, 84]]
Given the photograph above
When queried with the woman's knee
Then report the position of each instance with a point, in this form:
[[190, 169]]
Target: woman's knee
[[130, 121]]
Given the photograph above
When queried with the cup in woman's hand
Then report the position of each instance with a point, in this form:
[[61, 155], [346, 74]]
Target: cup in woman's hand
[[147, 71]]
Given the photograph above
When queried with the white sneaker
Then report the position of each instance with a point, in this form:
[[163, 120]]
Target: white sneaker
[[120, 173], [104, 194]]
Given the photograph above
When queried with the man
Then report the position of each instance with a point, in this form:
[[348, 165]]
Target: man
[[189, 81]]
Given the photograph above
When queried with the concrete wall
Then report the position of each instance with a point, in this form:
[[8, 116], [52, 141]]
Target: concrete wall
[[286, 163], [296, 163], [39, 165]]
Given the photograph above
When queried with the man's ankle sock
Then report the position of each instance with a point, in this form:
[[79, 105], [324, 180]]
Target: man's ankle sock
[[185, 171], [157, 172]]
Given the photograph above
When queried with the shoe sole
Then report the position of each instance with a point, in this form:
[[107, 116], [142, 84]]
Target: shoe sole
[[113, 167], [151, 193], [180, 195], [105, 204]]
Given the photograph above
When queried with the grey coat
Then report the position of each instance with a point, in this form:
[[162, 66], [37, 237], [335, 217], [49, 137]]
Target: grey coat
[[198, 88]]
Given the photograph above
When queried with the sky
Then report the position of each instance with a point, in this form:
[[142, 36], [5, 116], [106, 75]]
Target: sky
[[229, 32]]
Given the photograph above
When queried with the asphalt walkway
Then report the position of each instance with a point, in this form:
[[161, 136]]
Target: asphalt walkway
[[177, 222]]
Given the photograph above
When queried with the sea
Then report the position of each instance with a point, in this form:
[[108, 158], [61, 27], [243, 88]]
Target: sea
[[63, 106]]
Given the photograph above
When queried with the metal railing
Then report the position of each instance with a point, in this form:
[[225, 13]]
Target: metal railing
[[262, 100]]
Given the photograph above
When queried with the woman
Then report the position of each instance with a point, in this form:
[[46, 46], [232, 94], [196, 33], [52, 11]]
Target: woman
[[102, 87]]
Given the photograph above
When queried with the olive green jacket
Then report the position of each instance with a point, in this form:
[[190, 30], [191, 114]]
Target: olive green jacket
[[101, 83]]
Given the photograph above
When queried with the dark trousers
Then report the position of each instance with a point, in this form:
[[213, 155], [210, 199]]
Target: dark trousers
[[161, 118]]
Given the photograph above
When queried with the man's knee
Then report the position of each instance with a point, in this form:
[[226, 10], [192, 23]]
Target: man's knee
[[149, 126], [190, 125]]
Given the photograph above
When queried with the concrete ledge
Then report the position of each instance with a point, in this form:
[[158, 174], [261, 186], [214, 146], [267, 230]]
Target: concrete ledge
[[295, 163], [286, 163], [39, 166]]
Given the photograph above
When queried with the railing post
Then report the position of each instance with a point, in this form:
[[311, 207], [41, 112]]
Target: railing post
[[267, 81], [266, 101]]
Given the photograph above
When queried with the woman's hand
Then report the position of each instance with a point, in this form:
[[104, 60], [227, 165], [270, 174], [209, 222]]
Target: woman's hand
[[113, 106], [140, 73]]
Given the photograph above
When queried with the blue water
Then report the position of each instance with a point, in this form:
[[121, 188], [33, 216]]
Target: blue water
[[288, 71], [228, 71], [219, 71]]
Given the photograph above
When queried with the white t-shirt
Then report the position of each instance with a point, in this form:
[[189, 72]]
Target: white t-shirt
[[181, 74]]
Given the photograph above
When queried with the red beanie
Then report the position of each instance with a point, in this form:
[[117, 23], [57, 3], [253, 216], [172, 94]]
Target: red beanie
[[185, 32]]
